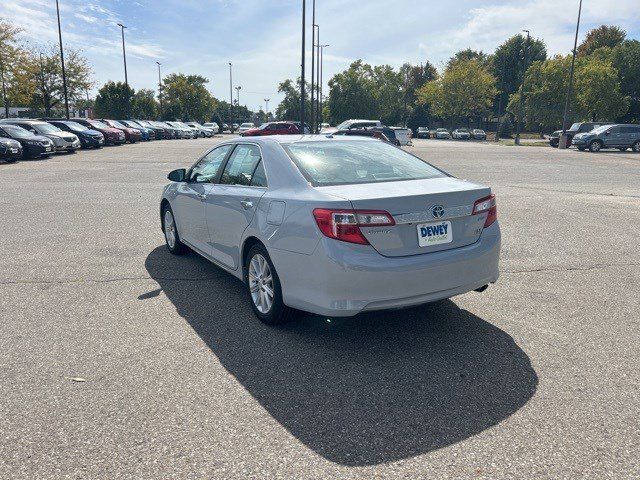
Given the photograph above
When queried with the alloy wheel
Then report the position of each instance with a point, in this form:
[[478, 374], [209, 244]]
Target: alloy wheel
[[169, 229], [261, 283]]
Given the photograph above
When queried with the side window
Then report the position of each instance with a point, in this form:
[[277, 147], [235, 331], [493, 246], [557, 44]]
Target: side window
[[241, 165], [206, 169], [259, 178], [614, 130]]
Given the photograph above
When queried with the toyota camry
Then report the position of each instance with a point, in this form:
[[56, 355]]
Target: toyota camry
[[332, 225]]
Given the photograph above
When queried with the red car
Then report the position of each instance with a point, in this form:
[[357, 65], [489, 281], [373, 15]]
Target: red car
[[273, 128], [112, 136], [131, 135]]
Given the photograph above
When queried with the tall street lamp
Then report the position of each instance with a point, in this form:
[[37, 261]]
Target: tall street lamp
[[4, 88], [313, 61], [126, 80], [520, 117], [230, 98], [322, 47], [563, 138], [160, 89], [266, 109], [304, 15], [238, 88], [64, 75]]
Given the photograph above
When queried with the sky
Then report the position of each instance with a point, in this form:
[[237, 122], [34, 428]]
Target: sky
[[262, 38]]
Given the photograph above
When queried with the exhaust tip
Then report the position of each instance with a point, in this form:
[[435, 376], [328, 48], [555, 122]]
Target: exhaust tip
[[481, 289]]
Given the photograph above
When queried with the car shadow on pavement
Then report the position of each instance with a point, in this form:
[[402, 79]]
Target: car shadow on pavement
[[359, 391]]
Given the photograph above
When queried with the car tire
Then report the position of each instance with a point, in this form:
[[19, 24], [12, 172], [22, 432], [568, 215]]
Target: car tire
[[636, 146], [595, 146], [170, 229], [261, 278]]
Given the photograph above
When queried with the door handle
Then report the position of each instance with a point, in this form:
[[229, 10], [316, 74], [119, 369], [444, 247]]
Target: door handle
[[246, 204], [201, 196]]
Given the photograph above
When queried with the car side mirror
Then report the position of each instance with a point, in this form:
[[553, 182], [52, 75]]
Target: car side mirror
[[177, 175], [607, 133]]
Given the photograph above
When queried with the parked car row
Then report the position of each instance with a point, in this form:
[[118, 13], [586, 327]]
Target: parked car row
[[36, 138], [457, 134]]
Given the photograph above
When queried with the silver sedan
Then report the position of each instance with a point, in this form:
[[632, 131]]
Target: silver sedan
[[333, 226]]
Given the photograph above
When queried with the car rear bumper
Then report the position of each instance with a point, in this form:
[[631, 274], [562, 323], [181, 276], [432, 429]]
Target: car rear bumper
[[343, 279]]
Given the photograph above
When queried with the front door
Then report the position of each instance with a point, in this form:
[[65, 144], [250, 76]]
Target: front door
[[232, 202], [188, 206]]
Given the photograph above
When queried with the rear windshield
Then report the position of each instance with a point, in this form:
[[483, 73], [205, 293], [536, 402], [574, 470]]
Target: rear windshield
[[348, 162]]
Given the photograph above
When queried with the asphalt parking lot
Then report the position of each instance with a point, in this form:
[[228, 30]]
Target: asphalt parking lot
[[118, 360]]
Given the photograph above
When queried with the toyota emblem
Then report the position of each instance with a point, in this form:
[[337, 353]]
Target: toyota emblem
[[437, 211]]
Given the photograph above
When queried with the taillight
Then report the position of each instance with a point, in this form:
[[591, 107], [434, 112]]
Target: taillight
[[487, 204], [345, 225]]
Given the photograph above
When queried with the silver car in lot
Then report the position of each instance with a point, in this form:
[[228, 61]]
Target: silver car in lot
[[332, 225]]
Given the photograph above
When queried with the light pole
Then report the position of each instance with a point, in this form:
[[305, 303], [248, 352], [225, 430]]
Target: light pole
[[266, 109], [322, 47], [304, 15], [160, 88], [4, 88], [238, 88], [44, 100], [64, 75], [520, 116], [230, 99], [126, 80], [563, 138]]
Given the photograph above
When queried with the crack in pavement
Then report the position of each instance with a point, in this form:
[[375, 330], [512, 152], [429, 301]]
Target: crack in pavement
[[571, 269]]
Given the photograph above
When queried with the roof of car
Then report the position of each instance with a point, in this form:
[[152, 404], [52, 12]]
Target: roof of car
[[287, 139], [21, 120]]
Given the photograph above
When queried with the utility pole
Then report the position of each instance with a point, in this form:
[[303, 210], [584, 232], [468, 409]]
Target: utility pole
[[563, 138], [230, 99], [42, 86], [304, 14], [266, 109], [500, 105], [160, 88], [520, 117], [64, 75]]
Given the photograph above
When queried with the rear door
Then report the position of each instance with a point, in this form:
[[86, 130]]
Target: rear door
[[442, 205], [232, 202], [613, 137]]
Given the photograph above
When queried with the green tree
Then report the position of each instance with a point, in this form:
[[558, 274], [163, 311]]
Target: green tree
[[185, 97], [598, 95], [416, 115], [12, 57], [625, 58], [352, 94], [113, 100], [449, 96], [507, 65], [546, 84], [289, 107], [144, 104], [468, 54], [389, 91], [603, 36]]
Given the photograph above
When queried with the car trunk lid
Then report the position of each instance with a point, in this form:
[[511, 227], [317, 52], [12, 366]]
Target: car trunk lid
[[430, 215]]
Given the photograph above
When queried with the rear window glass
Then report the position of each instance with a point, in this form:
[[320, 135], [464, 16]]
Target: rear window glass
[[348, 162]]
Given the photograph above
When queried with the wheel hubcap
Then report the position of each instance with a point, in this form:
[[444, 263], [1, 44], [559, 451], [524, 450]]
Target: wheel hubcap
[[261, 283], [169, 229]]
